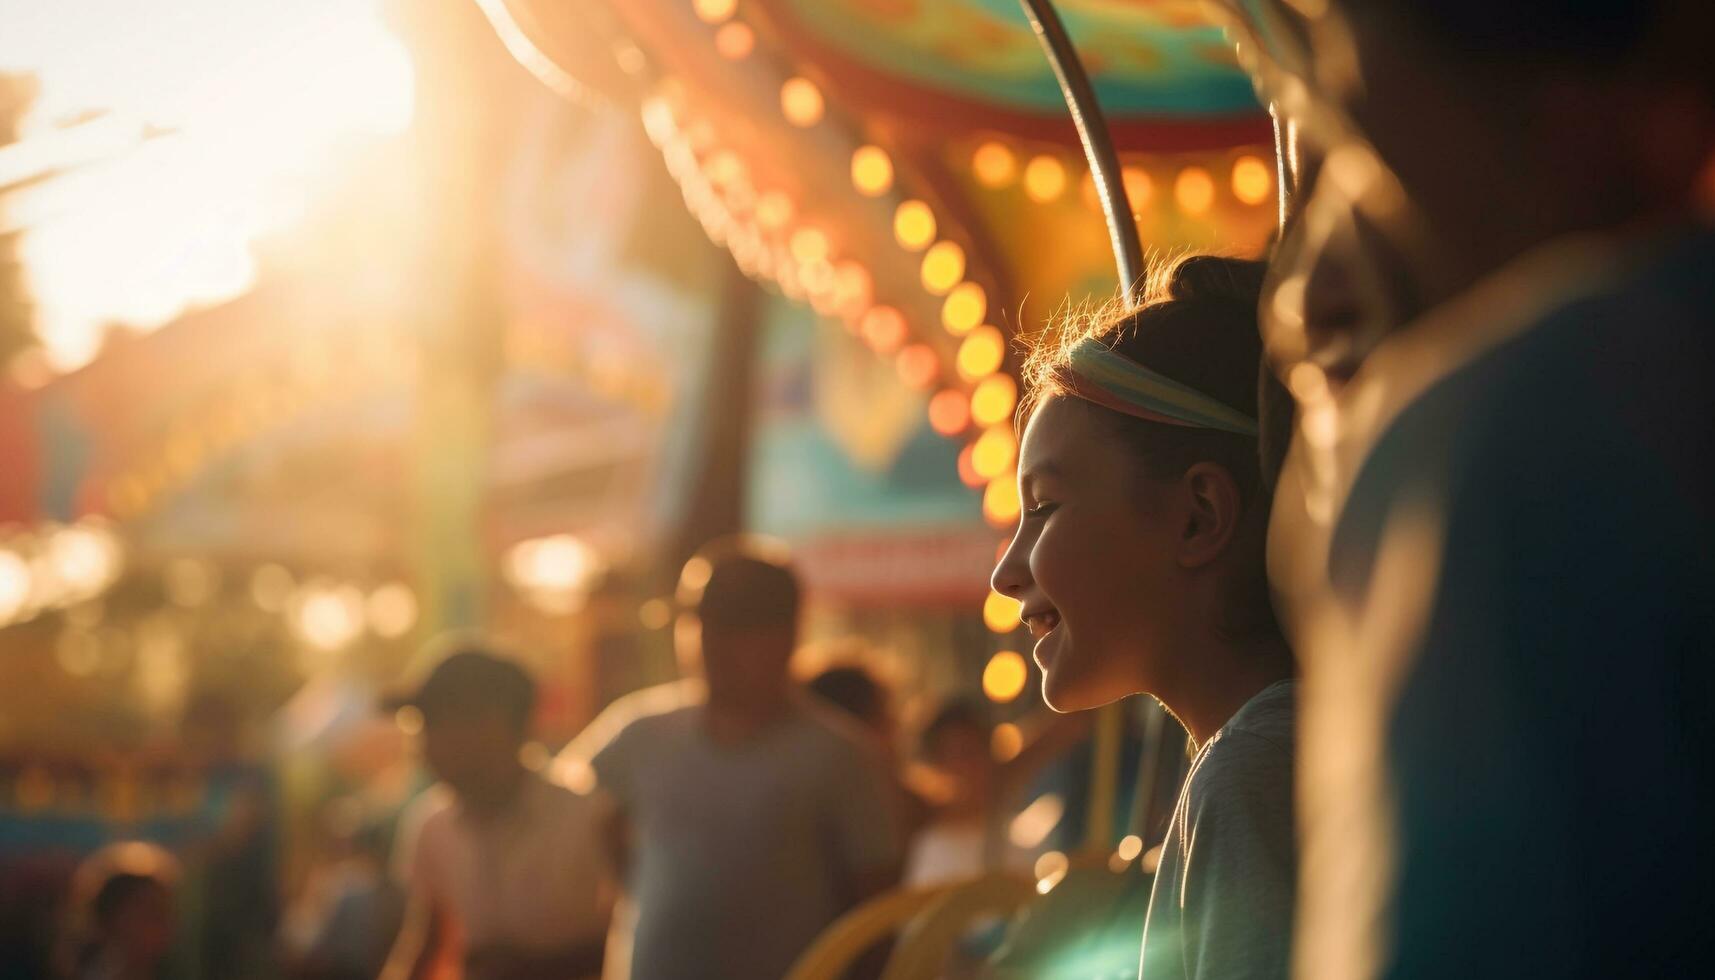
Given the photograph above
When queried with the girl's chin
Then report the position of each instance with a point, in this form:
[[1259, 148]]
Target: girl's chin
[[1066, 689], [1062, 692]]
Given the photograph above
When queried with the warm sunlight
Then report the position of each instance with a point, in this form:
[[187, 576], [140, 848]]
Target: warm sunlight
[[216, 114]]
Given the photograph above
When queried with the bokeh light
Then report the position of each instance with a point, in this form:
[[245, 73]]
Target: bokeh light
[[714, 11], [391, 610], [1050, 870], [1044, 178], [943, 267], [981, 353], [994, 399], [994, 165], [1000, 501], [14, 585], [1194, 189], [872, 171], [801, 101], [965, 307], [1006, 742], [328, 617], [809, 245], [773, 210], [918, 366], [913, 225], [1130, 846], [553, 572], [853, 288], [884, 328], [994, 451], [1138, 187], [735, 41], [968, 474], [1001, 613], [1252, 180], [1035, 822], [949, 413], [1005, 676]]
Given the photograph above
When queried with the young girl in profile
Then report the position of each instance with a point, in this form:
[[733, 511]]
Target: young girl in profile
[[1138, 563]]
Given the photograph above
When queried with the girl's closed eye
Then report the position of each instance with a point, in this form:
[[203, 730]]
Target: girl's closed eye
[[1041, 509]]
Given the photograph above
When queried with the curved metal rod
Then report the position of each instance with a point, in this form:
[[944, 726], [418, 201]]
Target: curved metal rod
[[1098, 144]]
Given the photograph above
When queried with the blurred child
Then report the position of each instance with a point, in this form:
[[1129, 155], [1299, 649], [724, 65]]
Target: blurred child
[[127, 913]]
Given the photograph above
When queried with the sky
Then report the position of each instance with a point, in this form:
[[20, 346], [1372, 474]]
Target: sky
[[194, 128]]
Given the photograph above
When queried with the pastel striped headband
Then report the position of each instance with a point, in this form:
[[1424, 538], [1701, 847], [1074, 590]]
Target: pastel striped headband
[[1098, 375]]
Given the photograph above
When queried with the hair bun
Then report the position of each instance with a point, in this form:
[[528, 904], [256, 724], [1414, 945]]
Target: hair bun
[[1214, 279]]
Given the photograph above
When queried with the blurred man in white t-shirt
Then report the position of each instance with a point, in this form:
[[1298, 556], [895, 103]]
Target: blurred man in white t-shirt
[[505, 871], [749, 815]]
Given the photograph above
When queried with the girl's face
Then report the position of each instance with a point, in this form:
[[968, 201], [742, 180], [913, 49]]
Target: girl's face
[[1093, 563]]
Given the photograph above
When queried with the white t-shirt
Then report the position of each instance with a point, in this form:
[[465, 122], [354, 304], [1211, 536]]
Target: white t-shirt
[[531, 876], [742, 853], [1222, 902]]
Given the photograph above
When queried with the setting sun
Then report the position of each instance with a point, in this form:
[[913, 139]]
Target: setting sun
[[219, 116]]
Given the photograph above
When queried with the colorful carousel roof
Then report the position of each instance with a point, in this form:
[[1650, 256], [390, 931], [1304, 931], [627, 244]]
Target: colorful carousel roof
[[908, 168]]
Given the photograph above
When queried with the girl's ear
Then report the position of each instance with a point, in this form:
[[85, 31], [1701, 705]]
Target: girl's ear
[[1212, 511]]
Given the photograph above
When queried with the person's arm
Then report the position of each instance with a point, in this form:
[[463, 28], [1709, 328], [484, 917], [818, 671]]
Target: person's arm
[[423, 932], [1240, 868], [421, 940]]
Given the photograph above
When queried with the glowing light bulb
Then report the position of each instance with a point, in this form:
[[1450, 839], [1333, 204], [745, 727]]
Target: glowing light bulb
[[1194, 190], [1000, 613], [917, 366], [773, 210], [801, 101], [994, 451], [994, 399], [1252, 181], [913, 225], [965, 307], [1005, 676], [872, 171], [994, 165], [1000, 501], [809, 245], [1138, 186], [714, 11], [943, 267], [735, 41], [948, 412], [1044, 179], [1006, 741], [884, 328], [981, 354]]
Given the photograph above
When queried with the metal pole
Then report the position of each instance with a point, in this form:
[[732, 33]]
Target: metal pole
[[1098, 144]]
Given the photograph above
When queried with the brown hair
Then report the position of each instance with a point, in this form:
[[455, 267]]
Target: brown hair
[[1196, 325]]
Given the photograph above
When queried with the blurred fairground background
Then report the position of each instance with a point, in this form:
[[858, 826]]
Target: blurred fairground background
[[329, 328]]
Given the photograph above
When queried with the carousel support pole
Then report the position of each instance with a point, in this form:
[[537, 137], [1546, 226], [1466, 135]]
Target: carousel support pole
[[458, 315], [1128, 257]]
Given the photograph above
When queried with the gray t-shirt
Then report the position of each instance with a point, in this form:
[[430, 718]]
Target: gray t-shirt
[[1222, 905], [741, 853]]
